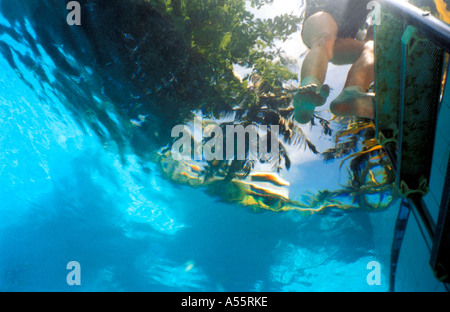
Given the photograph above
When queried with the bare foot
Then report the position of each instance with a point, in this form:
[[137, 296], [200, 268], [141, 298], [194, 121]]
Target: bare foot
[[353, 101], [307, 99]]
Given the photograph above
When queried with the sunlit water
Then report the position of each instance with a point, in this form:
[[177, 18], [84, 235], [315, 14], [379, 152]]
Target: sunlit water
[[66, 196]]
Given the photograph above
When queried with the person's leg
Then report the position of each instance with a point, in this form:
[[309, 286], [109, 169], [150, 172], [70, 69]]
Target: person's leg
[[362, 73], [347, 51], [354, 99], [320, 34]]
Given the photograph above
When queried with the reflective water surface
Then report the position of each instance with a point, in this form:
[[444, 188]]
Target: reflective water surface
[[86, 166]]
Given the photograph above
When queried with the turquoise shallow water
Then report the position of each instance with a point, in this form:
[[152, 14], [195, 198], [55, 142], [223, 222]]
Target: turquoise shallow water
[[66, 195]]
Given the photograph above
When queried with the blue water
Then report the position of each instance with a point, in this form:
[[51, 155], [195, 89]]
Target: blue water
[[67, 195]]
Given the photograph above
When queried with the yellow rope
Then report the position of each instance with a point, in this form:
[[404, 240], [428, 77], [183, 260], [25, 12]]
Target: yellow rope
[[443, 10]]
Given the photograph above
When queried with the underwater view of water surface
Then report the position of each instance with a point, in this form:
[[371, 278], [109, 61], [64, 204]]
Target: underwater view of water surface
[[86, 171]]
